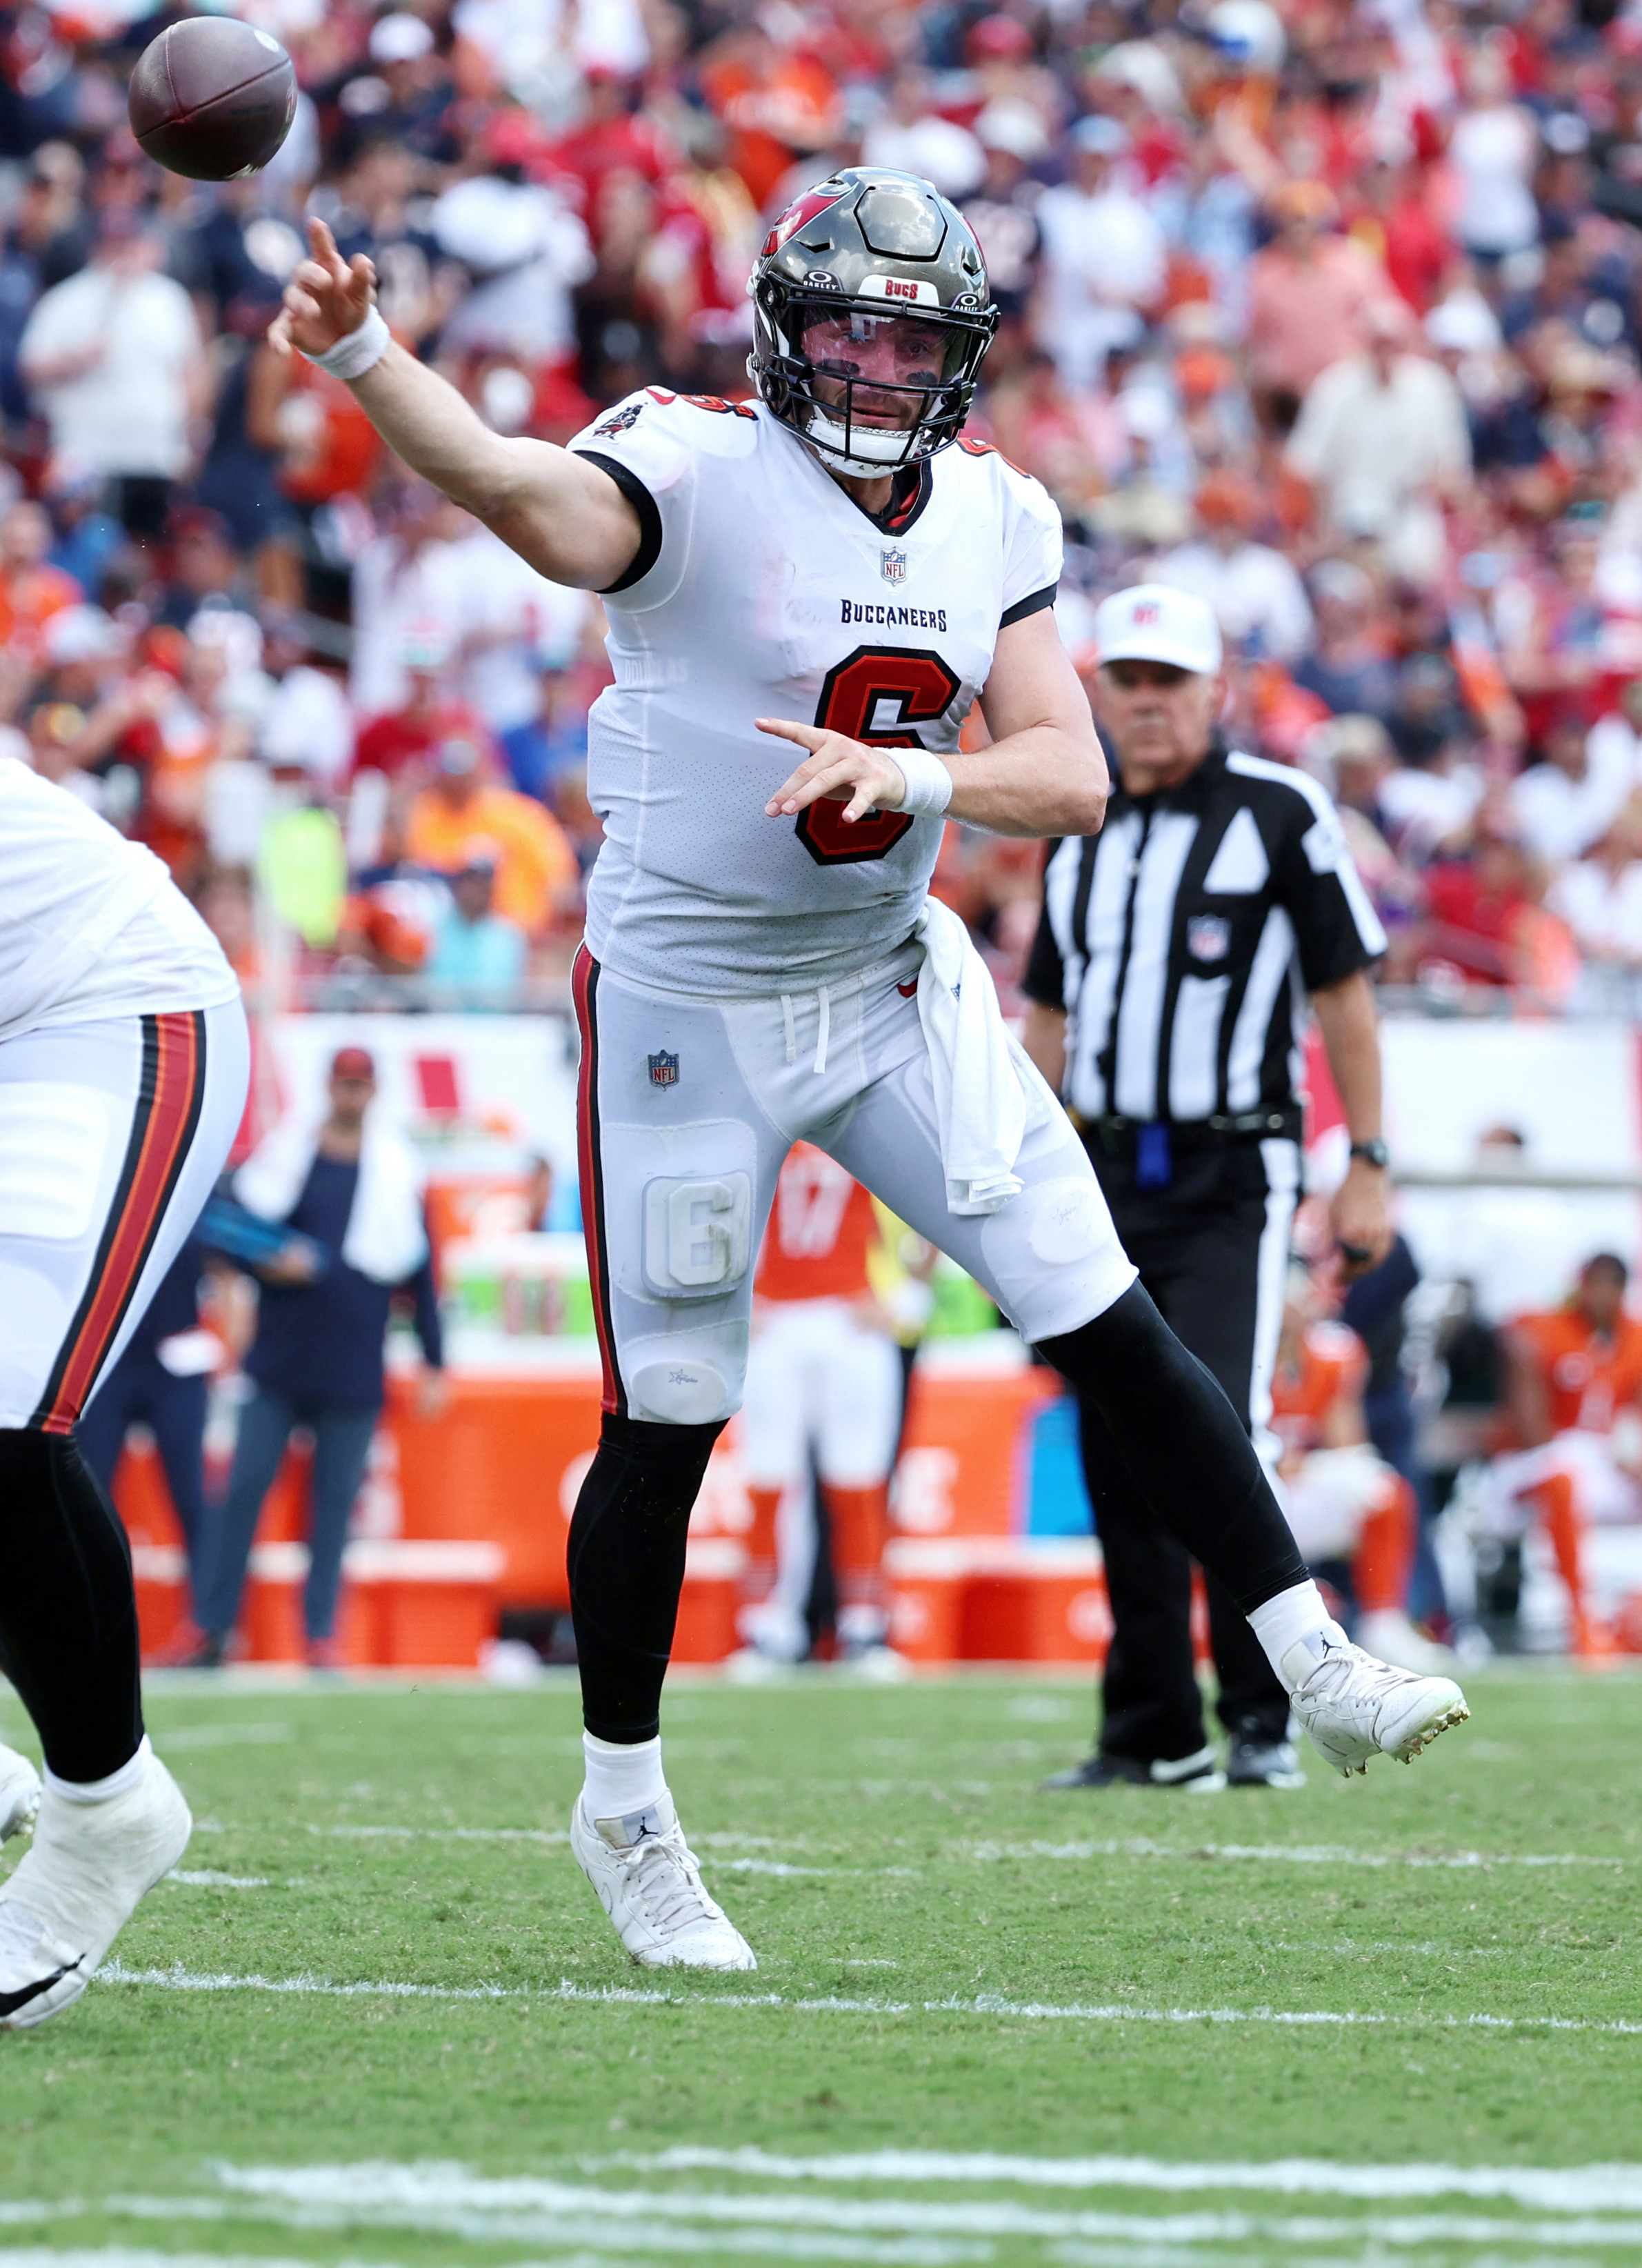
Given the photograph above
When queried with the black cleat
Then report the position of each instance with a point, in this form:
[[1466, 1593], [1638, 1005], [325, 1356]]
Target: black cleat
[[1198, 1773], [1264, 1763]]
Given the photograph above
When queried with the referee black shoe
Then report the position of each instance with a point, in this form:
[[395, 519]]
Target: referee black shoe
[[1262, 1764], [1199, 1774]]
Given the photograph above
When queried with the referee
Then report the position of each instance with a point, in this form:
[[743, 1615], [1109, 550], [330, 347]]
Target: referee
[[1168, 986]]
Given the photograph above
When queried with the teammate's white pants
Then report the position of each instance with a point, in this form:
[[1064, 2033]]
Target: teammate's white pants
[[1603, 1494], [688, 1105], [1330, 1496], [820, 1381], [112, 1135]]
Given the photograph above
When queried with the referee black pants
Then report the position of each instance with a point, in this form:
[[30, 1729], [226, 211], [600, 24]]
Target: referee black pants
[[1211, 1249]]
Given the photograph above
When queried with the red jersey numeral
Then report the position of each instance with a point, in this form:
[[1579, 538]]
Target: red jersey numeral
[[915, 687]]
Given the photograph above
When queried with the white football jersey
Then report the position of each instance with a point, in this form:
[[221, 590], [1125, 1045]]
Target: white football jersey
[[760, 589], [91, 926]]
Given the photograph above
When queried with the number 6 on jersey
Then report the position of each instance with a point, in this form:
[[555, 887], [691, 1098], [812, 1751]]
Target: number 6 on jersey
[[918, 688]]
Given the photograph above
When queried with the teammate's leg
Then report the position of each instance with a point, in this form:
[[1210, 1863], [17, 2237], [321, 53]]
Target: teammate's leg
[[1050, 1258], [859, 1414], [121, 1130]]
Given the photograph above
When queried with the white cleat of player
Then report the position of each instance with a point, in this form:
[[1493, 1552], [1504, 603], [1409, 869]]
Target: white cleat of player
[[76, 1887], [19, 1793], [648, 1882], [1355, 1707]]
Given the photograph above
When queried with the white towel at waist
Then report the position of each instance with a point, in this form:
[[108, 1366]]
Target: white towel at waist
[[980, 1101], [386, 1237]]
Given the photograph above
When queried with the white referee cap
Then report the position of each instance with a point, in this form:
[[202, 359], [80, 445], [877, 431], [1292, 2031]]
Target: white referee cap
[[1152, 622]]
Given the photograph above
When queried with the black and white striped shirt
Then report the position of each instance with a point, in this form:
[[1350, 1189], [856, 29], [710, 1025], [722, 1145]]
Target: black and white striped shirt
[[1182, 939]]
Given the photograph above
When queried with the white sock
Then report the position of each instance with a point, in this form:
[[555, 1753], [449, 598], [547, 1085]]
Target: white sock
[[621, 1779], [1292, 1628], [98, 1790]]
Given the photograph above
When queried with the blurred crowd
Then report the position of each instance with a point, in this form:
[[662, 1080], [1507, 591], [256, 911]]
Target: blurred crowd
[[1327, 310]]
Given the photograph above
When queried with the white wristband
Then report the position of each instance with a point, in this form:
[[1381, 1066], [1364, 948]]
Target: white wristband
[[929, 783], [360, 351]]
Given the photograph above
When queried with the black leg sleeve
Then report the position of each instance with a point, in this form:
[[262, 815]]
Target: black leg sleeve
[[627, 1568], [68, 1612], [1184, 1445]]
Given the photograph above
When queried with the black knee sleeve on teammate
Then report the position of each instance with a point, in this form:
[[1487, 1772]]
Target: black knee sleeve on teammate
[[627, 1567], [67, 1613], [1184, 1445]]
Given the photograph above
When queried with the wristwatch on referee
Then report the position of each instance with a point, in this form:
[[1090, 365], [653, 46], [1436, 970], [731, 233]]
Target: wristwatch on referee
[[1372, 1154]]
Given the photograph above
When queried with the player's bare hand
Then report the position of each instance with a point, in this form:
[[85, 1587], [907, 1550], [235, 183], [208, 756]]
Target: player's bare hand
[[325, 298], [837, 770]]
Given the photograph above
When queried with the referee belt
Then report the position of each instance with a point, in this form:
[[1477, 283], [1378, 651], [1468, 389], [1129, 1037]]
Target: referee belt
[[1115, 1134]]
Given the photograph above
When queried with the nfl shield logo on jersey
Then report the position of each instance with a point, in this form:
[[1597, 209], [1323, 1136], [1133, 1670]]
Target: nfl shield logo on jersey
[[1207, 937], [664, 1069], [893, 564]]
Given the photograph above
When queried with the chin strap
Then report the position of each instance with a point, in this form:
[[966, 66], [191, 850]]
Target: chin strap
[[861, 459]]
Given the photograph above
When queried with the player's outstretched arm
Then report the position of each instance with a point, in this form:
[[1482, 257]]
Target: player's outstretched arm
[[563, 515], [1043, 775]]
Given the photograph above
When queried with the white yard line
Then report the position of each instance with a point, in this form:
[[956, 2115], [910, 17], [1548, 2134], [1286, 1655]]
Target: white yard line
[[1293, 1854], [985, 2004], [206, 1878], [1557, 2188]]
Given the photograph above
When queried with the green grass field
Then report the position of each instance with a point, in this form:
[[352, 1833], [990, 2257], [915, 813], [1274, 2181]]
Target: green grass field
[[377, 2017]]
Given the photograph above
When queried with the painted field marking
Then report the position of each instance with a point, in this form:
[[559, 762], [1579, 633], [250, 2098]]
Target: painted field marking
[[1294, 1854], [206, 1878], [984, 2004], [1557, 2188]]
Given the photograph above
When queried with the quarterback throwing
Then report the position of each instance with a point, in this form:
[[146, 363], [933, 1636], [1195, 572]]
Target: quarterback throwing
[[807, 593]]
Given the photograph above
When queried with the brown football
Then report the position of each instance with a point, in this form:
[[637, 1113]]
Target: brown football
[[212, 98]]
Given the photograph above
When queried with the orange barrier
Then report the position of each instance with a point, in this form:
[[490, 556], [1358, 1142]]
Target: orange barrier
[[998, 1599], [497, 1471]]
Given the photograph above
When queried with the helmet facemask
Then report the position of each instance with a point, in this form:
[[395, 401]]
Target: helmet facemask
[[805, 368]]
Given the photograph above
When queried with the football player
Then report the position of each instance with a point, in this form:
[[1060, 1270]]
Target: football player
[[123, 1068], [834, 567], [823, 1390]]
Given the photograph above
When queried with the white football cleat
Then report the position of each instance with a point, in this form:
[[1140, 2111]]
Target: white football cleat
[[19, 1793], [1355, 1707], [648, 1882], [76, 1886]]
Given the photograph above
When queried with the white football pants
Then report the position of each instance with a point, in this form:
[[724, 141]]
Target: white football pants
[[112, 1135], [687, 1107]]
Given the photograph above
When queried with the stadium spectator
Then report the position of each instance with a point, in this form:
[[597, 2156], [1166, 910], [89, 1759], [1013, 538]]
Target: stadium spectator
[[115, 359], [460, 815], [477, 955], [1382, 439]]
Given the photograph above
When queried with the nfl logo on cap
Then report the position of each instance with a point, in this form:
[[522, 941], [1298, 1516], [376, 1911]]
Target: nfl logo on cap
[[1153, 623]]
